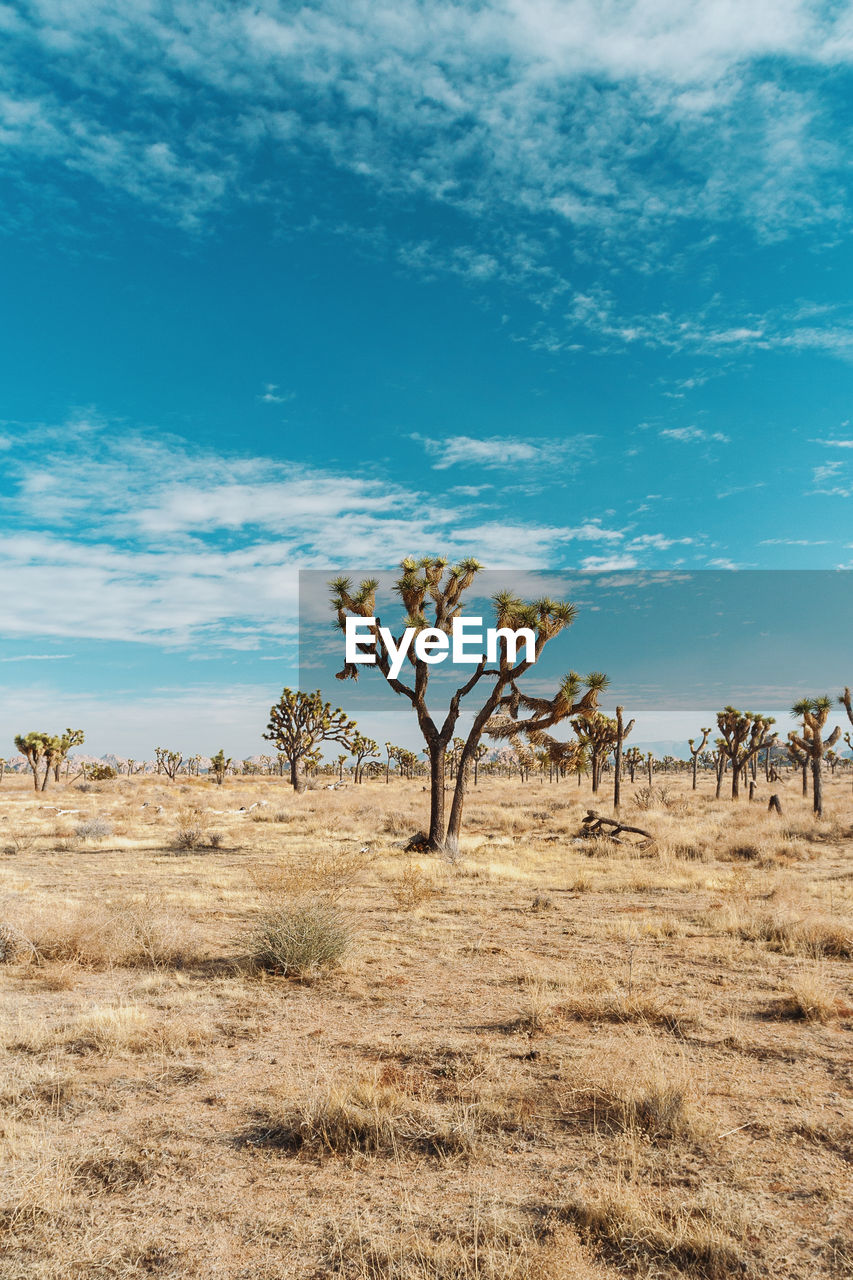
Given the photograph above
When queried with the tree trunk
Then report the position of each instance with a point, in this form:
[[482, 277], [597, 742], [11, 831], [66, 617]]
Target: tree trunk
[[817, 783], [649, 763], [617, 768], [805, 778], [736, 768], [721, 768], [695, 762], [437, 827], [297, 777]]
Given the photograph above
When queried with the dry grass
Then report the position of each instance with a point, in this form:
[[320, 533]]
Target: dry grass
[[641, 1238], [137, 933], [548, 1060]]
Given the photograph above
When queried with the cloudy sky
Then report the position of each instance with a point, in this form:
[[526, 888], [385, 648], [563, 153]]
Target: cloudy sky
[[565, 285]]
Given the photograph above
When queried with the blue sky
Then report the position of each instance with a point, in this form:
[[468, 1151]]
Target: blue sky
[[563, 285]]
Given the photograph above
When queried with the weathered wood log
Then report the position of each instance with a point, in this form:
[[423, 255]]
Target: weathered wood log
[[597, 824]]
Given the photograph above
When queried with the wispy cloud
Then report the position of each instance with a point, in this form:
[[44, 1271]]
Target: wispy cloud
[[656, 542], [794, 542], [271, 395], [602, 564], [505, 453], [693, 435], [35, 657], [612, 124], [148, 540]]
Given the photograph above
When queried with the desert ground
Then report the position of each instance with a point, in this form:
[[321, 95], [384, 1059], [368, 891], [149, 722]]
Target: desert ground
[[556, 1058]]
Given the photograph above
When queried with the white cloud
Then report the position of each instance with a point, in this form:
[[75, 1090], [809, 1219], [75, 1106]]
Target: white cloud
[[271, 395], [35, 657], [500, 452], [794, 542], [124, 538], [603, 564], [693, 435], [617, 120], [656, 542]]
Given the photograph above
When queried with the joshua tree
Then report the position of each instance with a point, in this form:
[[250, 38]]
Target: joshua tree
[[633, 759], [800, 760], [697, 751], [598, 734], [70, 738], [479, 754], [219, 766], [363, 749], [299, 723], [744, 734], [622, 731], [168, 762], [431, 583], [36, 747], [814, 712]]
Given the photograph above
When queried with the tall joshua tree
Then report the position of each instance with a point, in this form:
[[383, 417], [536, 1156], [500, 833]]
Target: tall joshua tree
[[168, 762], [70, 738], [300, 723], [363, 749], [812, 745], [744, 734], [622, 731], [697, 751], [598, 734], [35, 747], [433, 584], [633, 759], [219, 766]]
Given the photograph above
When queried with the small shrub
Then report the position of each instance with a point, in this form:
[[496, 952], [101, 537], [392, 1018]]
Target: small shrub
[[191, 831], [101, 773], [652, 798], [413, 888], [19, 841], [397, 824], [93, 829], [541, 902], [301, 939], [215, 840]]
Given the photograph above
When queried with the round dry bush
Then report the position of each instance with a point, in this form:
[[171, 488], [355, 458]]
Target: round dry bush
[[301, 939]]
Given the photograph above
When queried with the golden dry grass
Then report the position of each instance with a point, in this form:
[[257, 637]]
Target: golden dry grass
[[555, 1059]]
